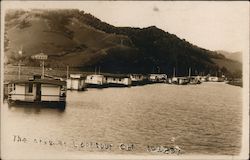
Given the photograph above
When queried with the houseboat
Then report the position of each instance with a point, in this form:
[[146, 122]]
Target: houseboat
[[216, 79], [204, 78], [213, 79], [160, 78], [38, 91], [96, 81], [116, 80], [195, 80], [76, 82], [138, 79], [180, 80], [222, 78]]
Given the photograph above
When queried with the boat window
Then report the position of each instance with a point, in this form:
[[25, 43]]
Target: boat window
[[120, 79], [30, 88], [14, 86]]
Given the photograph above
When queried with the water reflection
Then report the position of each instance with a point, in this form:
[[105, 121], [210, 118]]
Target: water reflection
[[35, 108]]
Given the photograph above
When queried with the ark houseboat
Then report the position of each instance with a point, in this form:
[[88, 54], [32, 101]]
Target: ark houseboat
[[96, 81], [116, 80], [195, 80], [47, 92], [216, 79], [158, 78], [138, 79], [180, 80], [76, 82]]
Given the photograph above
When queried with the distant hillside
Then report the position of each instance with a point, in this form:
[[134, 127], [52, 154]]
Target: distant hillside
[[236, 56], [78, 39]]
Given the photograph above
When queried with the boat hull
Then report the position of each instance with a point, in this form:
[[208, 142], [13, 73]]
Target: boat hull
[[97, 86], [117, 85], [46, 104]]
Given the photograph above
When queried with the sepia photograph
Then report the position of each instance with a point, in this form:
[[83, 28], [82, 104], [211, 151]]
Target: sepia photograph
[[124, 80]]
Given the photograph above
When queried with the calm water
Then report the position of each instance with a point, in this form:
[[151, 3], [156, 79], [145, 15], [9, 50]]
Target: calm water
[[203, 119]]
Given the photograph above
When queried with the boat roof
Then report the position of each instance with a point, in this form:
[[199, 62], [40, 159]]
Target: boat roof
[[96, 75], [116, 75], [41, 81], [77, 76]]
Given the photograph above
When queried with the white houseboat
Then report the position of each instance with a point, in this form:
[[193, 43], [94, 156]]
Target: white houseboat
[[116, 80], [195, 80], [180, 80], [216, 79], [39, 91], [138, 79], [213, 79], [76, 82], [204, 78], [158, 78], [96, 81]]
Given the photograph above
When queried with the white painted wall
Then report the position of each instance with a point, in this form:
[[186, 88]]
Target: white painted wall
[[213, 79], [157, 76], [50, 98], [124, 81], [48, 89], [135, 77], [19, 89], [50, 92], [75, 84], [95, 79]]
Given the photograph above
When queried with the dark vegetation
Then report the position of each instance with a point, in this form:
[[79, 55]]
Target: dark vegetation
[[143, 50]]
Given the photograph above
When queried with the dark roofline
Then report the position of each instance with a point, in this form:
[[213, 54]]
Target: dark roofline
[[116, 76], [41, 81]]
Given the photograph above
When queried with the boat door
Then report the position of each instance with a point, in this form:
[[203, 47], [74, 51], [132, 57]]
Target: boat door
[[38, 92]]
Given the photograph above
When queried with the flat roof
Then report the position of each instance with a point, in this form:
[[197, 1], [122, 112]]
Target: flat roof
[[41, 81], [117, 75]]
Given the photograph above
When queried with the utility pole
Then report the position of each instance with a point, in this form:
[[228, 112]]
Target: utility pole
[[189, 72], [20, 52], [174, 72], [19, 69], [43, 69], [67, 71]]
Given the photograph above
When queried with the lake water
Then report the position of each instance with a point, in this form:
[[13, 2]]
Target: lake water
[[200, 119]]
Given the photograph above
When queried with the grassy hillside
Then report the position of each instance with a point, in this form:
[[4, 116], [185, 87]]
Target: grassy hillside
[[236, 56], [78, 39]]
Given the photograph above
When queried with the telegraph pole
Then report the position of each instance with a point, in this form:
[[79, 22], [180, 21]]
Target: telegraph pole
[[43, 69], [189, 73], [67, 71], [19, 69], [20, 52], [174, 72]]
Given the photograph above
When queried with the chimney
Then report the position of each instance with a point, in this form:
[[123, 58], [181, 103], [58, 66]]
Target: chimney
[[37, 76]]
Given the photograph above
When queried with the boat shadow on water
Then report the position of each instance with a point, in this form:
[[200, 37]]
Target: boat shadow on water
[[38, 106]]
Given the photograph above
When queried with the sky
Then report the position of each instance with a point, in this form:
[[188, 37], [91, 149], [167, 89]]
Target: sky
[[211, 25]]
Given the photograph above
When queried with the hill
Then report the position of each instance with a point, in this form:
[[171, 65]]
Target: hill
[[78, 39], [236, 56]]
